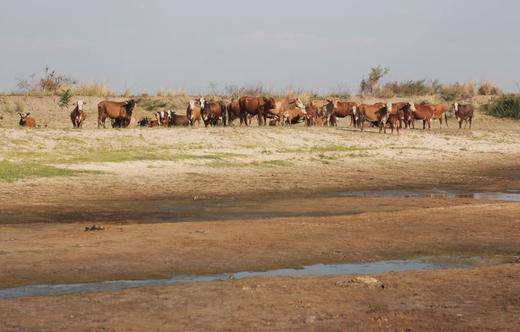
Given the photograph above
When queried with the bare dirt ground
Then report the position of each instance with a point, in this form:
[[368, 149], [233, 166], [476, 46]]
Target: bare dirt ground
[[184, 201]]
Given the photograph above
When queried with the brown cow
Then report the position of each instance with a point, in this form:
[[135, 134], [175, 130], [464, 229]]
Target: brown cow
[[121, 112], [213, 112], [289, 111], [369, 113], [387, 115], [315, 115], [179, 120], [233, 110], [423, 112], [27, 121], [440, 111], [78, 116], [193, 112], [340, 109], [255, 106], [463, 113]]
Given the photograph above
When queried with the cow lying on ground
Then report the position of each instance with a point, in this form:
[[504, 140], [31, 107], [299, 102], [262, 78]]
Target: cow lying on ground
[[120, 112], [78, 116], [463, 113], [27, 121], [178, 120]]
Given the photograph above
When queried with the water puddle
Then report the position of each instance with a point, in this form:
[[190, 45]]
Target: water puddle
[[312, 270], [508, 196]]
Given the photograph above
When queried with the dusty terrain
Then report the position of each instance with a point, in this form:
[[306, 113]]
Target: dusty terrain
[[203, 201]]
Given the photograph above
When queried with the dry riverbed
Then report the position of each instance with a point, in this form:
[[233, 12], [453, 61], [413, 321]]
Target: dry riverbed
[[222, 200]]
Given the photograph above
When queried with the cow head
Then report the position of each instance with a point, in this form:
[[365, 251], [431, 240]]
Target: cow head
[[389, 107], [202, 102], [269, 103], [299, 103], [456, 107], [412, 107], [192, 104], [79, 105], [355, 112], [23, 118], [129, 106]]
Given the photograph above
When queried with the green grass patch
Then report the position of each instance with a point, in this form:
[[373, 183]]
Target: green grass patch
[[239, 164], [11, 171]]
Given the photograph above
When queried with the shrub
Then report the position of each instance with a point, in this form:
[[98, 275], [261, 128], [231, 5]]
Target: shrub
[[506, 106], [457, 91], [65, 97], [489, 89]]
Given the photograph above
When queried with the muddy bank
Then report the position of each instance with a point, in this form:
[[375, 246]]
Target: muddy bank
[[455, 300], [405, 228]]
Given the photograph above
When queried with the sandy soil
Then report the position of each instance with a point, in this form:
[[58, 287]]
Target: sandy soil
[[177, 201]]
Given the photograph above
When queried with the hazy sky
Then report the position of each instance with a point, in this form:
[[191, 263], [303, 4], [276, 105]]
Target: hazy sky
[[308, 44]]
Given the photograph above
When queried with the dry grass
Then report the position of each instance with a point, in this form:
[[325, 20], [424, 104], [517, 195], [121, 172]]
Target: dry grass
[[93, 90]]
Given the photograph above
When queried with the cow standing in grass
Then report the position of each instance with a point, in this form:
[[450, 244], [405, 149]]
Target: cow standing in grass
[[463, 113], [119, 112], [193, 112], [78, 116]]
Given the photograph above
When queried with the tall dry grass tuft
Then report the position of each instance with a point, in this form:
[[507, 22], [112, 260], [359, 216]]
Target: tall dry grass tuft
[[93, 90], [489, 89]]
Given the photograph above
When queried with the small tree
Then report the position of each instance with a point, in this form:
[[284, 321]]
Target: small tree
[[371, 85], [65, 98]]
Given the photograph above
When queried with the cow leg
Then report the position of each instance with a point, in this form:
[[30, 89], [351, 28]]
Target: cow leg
[[460, 124], [470, 122], [446, 119]]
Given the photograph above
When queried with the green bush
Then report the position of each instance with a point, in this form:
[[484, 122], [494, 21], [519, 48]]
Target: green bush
[[506, 106]]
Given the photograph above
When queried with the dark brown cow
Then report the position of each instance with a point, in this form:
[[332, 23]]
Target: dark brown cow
[[121, 112], [193, 112], [403, 110], [370, 113], [179, 120], [423, 112], [463, 113], [163, 118], [78, 116], [27, 121], [340, 109], [255, 106], [233, 109], [213, 112]]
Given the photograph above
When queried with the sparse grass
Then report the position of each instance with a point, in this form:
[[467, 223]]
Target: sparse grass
[[93, 90], [11, 171], [325, 148], [239, 164], [507, 106]]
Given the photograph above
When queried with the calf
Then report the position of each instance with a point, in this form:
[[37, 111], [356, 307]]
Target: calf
[[179, 120], [463, 113], [78, 116], [27, 121], [315, 115]]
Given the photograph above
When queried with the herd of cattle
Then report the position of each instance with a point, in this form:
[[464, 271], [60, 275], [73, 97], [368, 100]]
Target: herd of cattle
[[271, 112]]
